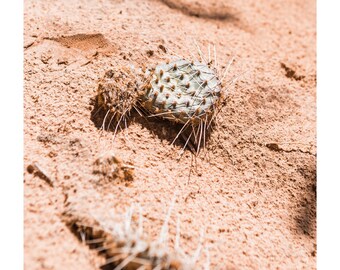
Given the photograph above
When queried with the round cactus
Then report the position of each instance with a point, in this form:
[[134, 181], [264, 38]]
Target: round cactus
[[182, 91], [117, 93]]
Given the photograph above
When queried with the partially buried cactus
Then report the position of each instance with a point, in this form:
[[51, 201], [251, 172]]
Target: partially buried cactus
[[183, 92], [117, 93]]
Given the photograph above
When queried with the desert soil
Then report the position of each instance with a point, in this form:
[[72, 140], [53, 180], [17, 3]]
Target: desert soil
[[252, 190]]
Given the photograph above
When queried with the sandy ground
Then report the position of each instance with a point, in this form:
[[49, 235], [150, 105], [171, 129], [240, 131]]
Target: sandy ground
[[253, 188]]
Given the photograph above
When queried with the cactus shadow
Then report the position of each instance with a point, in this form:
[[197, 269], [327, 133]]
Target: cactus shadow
[[162, 129], [108, 266], [168, 131], [306, 214]]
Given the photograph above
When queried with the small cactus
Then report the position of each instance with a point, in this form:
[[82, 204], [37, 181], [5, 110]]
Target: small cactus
[[117, 94], [123, 242], [111, 167], [183, 92]]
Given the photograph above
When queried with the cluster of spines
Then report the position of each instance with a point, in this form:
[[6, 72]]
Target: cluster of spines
[[186, 93], [117, 95], [124, 246]]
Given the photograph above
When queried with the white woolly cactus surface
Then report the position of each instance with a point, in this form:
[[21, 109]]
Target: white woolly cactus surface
[[182, 91]]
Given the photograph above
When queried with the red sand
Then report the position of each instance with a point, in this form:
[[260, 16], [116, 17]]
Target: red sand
[[254, 191]]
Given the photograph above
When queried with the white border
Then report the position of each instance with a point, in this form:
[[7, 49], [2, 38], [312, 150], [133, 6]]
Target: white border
[[328, 135], [11, 177]]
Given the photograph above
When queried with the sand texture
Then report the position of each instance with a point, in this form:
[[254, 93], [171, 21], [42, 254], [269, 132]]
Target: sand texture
[[251, 190]]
